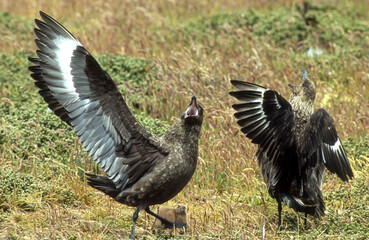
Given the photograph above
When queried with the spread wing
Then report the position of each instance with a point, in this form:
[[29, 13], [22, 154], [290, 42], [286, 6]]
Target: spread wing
[[268, 120], [321, 144], [83, 95]]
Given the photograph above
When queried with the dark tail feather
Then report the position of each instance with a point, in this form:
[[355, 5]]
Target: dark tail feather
[[321, 205], [103, 184], [315, 208]]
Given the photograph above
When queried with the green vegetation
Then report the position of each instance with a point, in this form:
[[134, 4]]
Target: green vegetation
[[159, 54], [129, 71], [132, 76], [318, 25]]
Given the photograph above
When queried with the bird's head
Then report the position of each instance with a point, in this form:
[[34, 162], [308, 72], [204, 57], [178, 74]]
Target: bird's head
[[194, 113], [306, 90], [181, 209]]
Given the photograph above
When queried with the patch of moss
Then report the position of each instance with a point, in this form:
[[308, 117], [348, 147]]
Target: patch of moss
[[156, 126], [16, 185], [15, 82], [317, 24], [32, 130], [131, 75], [357, 147], [16, 182], [126, 71]]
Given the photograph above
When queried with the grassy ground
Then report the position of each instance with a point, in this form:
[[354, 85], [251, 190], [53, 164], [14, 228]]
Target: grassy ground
[[161, 53]]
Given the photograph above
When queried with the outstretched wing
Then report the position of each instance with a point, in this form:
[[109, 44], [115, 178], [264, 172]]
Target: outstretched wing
[[321, 144], [83, 95], [268, 120]]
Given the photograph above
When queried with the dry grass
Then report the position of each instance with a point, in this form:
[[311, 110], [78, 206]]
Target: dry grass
[[226, 198]]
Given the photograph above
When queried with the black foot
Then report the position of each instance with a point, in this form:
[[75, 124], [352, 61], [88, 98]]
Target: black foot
[[305, 221], [279, 215], [135, 216], [170, 225]]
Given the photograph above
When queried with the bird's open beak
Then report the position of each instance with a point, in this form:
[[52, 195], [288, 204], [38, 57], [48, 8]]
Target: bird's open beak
[[192, 108]]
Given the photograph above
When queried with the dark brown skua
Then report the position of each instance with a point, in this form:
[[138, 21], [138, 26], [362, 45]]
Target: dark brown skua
[[142, 170], [295, 144]]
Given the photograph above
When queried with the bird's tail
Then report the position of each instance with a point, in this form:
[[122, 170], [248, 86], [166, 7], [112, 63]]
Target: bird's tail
[[103, 184], [312, 204]]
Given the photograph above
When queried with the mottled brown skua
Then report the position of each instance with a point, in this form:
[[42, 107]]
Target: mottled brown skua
[[141, 169], [295, 144]]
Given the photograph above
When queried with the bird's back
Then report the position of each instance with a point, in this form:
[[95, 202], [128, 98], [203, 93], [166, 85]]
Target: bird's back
[[167, 176]]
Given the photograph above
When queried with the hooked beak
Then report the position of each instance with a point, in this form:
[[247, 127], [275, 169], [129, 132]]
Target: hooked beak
[[192, 108], [304, 74]]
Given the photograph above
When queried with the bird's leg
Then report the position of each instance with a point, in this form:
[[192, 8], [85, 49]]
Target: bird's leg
[[135, 216], [168, 224], [279, 214], [306, 216]]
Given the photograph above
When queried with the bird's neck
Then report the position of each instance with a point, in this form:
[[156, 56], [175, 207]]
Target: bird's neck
[[182, 133], [302, 109], [183, 137]]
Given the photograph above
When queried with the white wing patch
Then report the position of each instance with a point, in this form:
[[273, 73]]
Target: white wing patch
[[336, 148], [64, 57]]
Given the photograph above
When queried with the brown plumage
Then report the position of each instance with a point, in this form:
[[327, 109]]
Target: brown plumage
[[173, 214], [295, 144], [142, 170]]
